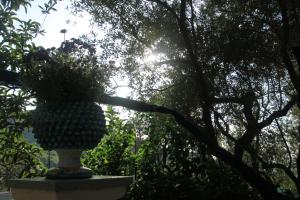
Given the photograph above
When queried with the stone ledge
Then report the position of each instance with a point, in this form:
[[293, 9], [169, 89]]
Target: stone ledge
[[5, 196], [95, 182], [95, 188]]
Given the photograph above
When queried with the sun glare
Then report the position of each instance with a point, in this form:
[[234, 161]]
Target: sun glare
[[151, 58]]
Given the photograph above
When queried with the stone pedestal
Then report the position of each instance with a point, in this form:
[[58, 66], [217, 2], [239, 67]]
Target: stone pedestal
[[95, 188], [69, 166]]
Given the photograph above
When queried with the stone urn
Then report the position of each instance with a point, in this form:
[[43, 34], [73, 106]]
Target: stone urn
[[68, 128]]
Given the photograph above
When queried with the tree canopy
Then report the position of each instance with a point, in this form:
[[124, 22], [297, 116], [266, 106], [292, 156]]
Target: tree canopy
[[227, 71]]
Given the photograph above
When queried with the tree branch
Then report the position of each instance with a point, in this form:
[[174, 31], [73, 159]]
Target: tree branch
[[221, 100], [266, 165], [284, 46], [263, 186], [193, 27], [173, 61], [283, 167], [133, 31], [278, 113], [167, 7], [285, 22], [254, 128], [285, 143], [252, 125], [296, 52], [225, 131], [196, 72], [199, 132]]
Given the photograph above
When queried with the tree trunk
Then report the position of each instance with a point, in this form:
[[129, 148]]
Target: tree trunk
[[266, 189]]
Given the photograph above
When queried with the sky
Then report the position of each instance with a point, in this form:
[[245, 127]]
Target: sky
[[53, 23], [56, 21]]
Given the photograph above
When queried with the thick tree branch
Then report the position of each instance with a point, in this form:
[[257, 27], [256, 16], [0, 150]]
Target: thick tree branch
[[266, 165], [287, 170], [284, 46], [185, 33], [290, 68], [196, 71], [285, 22], [254, 128], [248, 101], [220, 100], [167, 7], [285, 143], [298, 162], [200, 132], [193, 27], [224, 131], [174, 62], [296, 52], [278, 113], [133, 30], [264, 187]]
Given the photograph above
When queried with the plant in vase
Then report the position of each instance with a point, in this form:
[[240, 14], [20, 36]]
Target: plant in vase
[[66, 83]]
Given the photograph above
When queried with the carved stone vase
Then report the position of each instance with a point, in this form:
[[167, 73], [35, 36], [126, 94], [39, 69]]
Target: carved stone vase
[[68, 128]]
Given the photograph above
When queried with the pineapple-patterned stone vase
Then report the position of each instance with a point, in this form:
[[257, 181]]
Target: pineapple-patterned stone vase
[[68, 128]]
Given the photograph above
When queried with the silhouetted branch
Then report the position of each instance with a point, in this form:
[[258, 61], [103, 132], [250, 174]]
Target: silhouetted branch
[[225, 131], [285, 143], [296, 52], [167, 7], [278, 113], [173, 61], [287, 171], [254, 128], [227, 100], [285, 22], [284, 46], [199, 132]]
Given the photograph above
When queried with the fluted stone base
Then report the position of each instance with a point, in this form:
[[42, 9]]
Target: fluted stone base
[[95, 188]]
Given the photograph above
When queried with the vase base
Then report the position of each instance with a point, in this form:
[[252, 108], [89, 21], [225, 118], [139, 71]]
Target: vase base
[[69, 173]]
